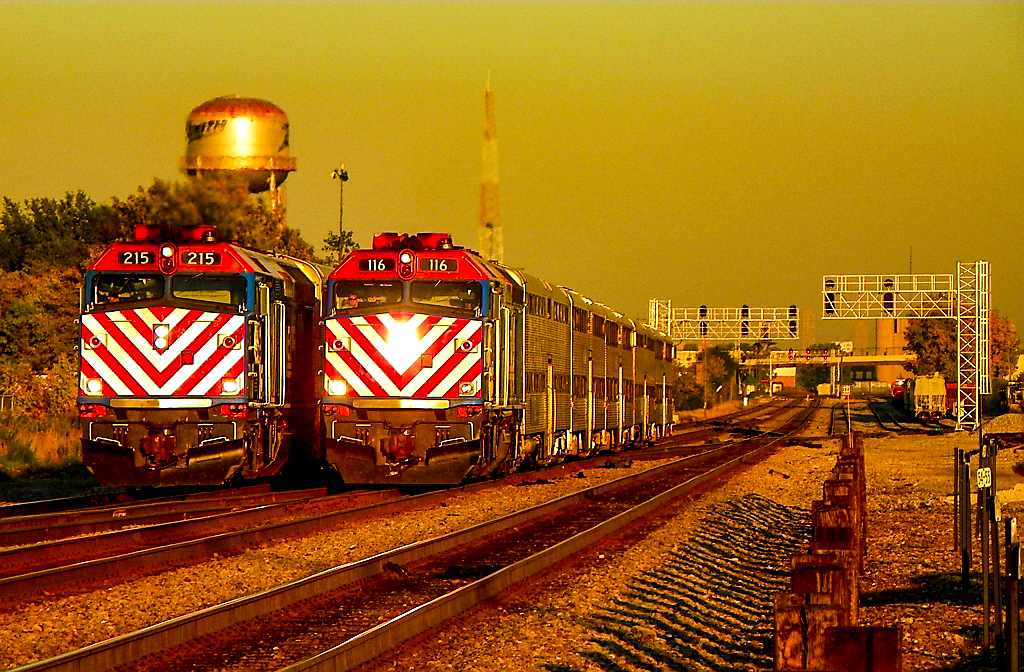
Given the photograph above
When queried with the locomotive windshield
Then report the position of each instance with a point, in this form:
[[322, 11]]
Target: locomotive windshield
[[459, 295], [121, 287], [353, 295], [227, 289]]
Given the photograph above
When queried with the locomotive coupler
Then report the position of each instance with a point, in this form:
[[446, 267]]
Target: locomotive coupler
[[158, 447]]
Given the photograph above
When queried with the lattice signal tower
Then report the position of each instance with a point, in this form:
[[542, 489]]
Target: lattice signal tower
[[492, 243], [724, 324], [964, 297]]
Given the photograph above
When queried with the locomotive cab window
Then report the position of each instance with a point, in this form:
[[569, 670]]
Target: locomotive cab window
[[226, 289], [356, 295], [121, 287], [458, 295]]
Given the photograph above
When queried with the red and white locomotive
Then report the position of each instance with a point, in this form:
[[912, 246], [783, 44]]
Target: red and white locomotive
[[196, 365], [440, 366]]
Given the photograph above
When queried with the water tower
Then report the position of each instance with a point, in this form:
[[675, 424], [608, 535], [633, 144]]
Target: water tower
[[247, 137]]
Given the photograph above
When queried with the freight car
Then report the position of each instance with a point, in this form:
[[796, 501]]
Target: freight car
[[197, 363], [1013, 397], [440, 366], [925, 397]]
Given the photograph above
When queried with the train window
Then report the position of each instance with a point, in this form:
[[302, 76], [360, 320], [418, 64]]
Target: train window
[[580, 319], [459, 295], [353, 295], [227, 289], [120, 287], [611, 334]]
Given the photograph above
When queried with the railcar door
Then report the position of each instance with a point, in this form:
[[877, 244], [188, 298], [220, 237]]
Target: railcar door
[[549, 399]]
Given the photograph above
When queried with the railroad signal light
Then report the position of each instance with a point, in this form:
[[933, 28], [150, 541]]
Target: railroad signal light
[[888, 302], [830, 297], [792, 355], [405, 264]]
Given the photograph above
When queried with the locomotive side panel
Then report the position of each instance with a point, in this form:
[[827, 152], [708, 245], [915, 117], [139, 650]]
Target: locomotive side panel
[[548, 368]]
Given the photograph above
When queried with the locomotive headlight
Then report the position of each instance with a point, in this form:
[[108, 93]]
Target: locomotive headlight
[[337, 388], [166, 251], [93, 386], [160, 343], [405, 257], [229, 386], [161, 330], [402, 338]]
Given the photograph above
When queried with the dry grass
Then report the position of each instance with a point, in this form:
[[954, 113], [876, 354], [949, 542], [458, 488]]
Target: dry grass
[[27, 442]]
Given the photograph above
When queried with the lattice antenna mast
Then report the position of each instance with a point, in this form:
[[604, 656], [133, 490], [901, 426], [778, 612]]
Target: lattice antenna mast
[[492, 244]]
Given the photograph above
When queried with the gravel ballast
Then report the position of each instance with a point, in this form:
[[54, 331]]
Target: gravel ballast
[[642, 600]]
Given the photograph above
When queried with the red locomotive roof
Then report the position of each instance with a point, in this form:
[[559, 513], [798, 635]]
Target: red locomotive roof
[[156, 249], [407, 257]]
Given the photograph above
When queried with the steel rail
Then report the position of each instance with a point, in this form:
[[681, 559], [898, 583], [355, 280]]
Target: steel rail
[[371, 644], [878, 417], [93, 569], [47, 527], [44, 506], [134, 646], [214, 540]]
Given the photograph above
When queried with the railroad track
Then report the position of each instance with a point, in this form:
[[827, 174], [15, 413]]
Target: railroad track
[[410, 589], [89, 548]]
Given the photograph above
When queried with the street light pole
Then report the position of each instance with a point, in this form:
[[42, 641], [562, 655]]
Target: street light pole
[[341, 175]]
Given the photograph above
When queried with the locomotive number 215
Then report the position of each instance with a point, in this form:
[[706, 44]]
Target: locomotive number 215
[[200, 258]]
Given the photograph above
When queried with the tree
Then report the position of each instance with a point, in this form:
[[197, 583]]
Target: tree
[[55, 232], [935, 344], [339, 246], [221, 201], [1004, 346], [687, 393], [809, 377]]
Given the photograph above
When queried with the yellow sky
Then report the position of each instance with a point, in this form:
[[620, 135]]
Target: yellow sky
[[711, 154]]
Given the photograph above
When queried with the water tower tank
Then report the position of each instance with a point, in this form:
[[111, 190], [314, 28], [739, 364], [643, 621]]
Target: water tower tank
[[244, 136]]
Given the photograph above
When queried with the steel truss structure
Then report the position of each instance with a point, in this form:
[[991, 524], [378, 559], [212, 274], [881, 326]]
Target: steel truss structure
[[964, 298], [863, 297], [724, 324]]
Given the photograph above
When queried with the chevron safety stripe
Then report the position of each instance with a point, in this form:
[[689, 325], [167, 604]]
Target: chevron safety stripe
[[404, 355], [119, 349]]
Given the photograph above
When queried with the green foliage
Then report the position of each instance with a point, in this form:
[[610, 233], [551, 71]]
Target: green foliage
[[687, 393], [338, 246], [809, 377], [1005, 345], [935, 344], [44, 231], [721, 366], [223, 202]]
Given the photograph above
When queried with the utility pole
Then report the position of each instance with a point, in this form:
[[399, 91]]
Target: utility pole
[[341, 175]]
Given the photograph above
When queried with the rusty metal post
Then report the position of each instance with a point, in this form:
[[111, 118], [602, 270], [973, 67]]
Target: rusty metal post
[[966, 540], [994, 517], [984, 481], [1012, 596], [956, 498]]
